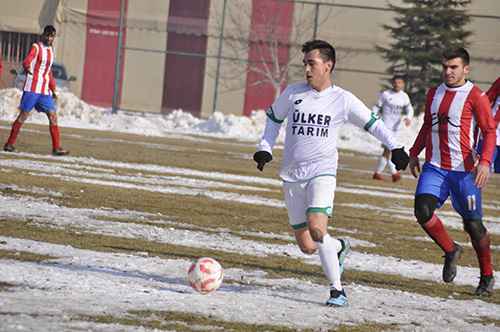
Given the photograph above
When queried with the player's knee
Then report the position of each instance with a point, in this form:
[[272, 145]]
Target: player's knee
[[23, 116], [307, 249], [316, 233], [52, 118], [475, 229], [425, 205]]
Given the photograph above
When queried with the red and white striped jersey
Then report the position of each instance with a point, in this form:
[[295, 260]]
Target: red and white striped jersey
[[494, 97], [39, 63], [451, 116]]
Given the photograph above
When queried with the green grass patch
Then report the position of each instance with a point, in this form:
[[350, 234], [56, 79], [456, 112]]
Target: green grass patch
[[275, 266], [23, 255], [5, 286], [486, 321], [189, 322]]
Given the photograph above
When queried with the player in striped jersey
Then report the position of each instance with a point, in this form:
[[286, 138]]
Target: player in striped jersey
[[493, 94], [39, 90], [314, 111], [453, 110]]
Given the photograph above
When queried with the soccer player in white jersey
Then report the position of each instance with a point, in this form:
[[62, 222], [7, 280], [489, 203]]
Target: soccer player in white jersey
[[452, 111], [39, 91], [314, 111], [393, 106]]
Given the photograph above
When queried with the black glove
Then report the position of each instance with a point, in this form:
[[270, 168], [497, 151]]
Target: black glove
[[261, 158], [400, 158]]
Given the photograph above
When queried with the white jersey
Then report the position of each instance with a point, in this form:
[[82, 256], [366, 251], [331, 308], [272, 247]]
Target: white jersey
[[313, 119], [393, 106]]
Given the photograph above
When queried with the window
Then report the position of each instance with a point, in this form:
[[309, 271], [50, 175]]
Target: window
[[14, 46]]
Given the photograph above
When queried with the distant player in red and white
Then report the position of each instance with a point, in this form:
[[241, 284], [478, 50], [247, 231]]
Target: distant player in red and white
[[493, 94], [453, 110], [393, 106], [39, 90]]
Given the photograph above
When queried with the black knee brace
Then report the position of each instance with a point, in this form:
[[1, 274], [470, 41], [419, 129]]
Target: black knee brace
[[425, 205], [475, 229]]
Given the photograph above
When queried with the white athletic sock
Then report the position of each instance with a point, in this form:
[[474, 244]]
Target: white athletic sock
[[392, 167], [329, 260], [381, 164]]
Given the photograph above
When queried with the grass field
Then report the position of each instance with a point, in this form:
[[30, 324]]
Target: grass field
[[101, 240]]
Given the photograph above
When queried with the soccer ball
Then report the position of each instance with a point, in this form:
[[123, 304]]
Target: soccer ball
[[205, 275]]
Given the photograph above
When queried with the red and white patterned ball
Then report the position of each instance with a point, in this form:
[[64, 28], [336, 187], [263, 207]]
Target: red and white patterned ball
[[205, 275]]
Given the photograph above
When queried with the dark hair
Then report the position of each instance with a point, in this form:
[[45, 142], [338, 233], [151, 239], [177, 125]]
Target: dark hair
[[326, 50], [458, 52], [398, 77], [49, 30]]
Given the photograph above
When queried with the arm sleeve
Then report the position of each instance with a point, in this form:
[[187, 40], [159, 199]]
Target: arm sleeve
[[485, 121], [493, 91], [421, 139], [276, 114], [377, 108], [408, 110], [52, 82], [360, 115], [31, 55]]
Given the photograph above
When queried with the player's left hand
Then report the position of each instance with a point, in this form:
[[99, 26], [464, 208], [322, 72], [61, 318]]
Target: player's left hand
[[482, 175], [400, 158], [262, 158], [54, 95]]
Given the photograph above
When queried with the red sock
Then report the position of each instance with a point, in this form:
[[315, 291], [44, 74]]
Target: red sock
[[16, 127], [434, 227], [483, 252], [54, 133]]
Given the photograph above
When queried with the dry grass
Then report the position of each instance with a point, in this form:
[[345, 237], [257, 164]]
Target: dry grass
[[392, 237]]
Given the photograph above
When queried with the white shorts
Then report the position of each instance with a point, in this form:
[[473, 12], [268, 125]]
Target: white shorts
[[302, 198]]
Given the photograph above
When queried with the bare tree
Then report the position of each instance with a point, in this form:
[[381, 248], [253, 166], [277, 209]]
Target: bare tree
[[269, 52]]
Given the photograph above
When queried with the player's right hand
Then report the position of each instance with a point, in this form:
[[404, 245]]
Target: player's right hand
[[261, 158], [482, 175], [414, 166], [400, 158]]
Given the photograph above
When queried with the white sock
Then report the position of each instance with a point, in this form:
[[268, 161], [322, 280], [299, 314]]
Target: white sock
[[392, 167], [381, 164], [330, 260]]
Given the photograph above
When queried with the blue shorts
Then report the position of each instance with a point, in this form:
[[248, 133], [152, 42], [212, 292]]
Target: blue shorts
[[441, 183], [42, 103]]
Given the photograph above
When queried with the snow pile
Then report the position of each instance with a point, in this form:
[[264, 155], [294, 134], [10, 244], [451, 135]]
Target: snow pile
[[73, 112]]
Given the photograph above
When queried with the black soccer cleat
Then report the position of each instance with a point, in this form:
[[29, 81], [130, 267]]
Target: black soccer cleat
[[9, 148], [60, 152], [450, 263], [485, 287], [337, 298]]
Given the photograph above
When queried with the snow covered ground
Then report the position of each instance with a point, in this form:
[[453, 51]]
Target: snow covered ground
[[85, 282], [74, 112], [88, 282]]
